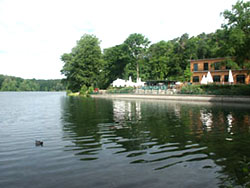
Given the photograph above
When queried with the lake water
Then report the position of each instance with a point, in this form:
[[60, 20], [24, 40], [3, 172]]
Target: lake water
[[121, 143]]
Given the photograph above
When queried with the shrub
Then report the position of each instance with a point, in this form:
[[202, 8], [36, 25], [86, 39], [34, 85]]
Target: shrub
[[90, 90], [214, 89], [120, 90], [192, 89], [85, 91]]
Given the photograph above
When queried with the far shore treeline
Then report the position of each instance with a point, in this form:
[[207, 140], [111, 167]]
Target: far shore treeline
[[11, 83], [88, 66]]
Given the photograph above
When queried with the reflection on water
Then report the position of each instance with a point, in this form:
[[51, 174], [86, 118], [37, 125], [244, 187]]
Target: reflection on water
[[202, 144], [206, 119], [121, 143], [126, 111], [230, 123]]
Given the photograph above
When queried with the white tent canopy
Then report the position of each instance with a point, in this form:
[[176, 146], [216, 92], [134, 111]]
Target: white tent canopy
[[204, 79], [127, 83], [209, 77], [230, 77], [118, 83]]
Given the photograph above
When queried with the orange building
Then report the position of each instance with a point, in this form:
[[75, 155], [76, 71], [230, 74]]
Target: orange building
[[219, 72]]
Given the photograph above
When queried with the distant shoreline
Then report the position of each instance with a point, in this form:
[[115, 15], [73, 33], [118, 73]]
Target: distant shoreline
[[193, 98]]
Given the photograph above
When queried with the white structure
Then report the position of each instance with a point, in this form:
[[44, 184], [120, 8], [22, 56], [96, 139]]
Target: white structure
[[204, 79], [178, 83], [230, 77], [209, 77], [119, 83], [139, 82], [129, 83]]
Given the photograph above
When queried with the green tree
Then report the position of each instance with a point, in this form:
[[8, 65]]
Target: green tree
[[136, 45], [9, 84], [178, 59], [2, 77], [25, 86], [237, 30], [83, 65], [187, 74], [115, 60], [158, 56]]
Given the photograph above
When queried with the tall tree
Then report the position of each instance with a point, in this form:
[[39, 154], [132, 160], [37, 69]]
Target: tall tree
[[83, 65], [238, 31], [158, 59], [115, 60], [137, 45]]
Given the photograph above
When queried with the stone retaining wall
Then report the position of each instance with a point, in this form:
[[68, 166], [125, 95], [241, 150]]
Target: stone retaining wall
[[208, 98]]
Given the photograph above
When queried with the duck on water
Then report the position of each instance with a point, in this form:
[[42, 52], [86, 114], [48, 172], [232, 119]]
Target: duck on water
[[39, 143]]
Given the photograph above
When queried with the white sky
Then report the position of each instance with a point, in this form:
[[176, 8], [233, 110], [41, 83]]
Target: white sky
[[35, 33]]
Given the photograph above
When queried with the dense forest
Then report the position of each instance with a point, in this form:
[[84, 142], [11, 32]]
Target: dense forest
[[87, 65], [10, 83]]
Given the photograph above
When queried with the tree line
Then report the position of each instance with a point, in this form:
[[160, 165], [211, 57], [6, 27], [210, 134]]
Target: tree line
[[87, 65], [10, 83]]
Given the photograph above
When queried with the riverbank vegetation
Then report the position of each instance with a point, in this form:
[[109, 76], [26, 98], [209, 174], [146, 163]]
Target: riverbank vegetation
[[87, 65], [213, 89], [113, 90], [10, 83]]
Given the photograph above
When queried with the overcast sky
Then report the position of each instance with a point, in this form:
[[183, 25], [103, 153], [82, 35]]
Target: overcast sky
[[35, 33]]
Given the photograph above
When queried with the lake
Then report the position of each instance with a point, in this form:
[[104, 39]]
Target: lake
[[121, 143]]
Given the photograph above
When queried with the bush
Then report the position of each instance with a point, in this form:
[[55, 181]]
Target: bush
[[192, 89], [85, 91], [120, 90], [213, 89], [90, 90]]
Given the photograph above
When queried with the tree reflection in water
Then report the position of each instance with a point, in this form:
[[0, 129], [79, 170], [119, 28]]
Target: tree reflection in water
[[208, 138]]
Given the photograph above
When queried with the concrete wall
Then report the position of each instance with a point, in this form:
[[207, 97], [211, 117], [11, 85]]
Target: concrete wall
[[194, 98]]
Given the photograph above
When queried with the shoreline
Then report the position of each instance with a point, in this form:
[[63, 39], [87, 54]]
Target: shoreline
[[193, 98]]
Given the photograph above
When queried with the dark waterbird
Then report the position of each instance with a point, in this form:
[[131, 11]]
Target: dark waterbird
[[39, 143]]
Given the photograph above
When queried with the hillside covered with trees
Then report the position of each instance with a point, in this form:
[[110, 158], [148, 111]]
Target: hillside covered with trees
[[10, 83], [86, 65]]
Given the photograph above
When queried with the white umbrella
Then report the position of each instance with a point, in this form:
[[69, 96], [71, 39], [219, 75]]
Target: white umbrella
[[230, 77], [130, 83], [204, 79], [139, 82], [209, 77]]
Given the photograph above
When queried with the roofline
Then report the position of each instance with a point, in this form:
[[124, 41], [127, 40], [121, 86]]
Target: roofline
[[160, 81], [193, 60], [225, 70]]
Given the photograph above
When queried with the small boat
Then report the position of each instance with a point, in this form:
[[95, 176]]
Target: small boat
[[39, 143]]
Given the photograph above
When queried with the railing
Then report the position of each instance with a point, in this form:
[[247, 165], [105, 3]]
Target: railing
[[154, 87]]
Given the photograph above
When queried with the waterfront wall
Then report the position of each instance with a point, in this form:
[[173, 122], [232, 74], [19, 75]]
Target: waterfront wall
[[195, 98]]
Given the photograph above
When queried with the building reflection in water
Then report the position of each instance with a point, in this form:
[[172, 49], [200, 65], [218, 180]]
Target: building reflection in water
[[126, 110], [177, 110], [206, 119], [230, 123]]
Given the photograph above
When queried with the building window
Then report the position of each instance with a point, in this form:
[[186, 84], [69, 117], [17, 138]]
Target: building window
[[216, 78], [240, 79], [205, 66], [195, 67], [217, 66], [226, 78], [196, 79]]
